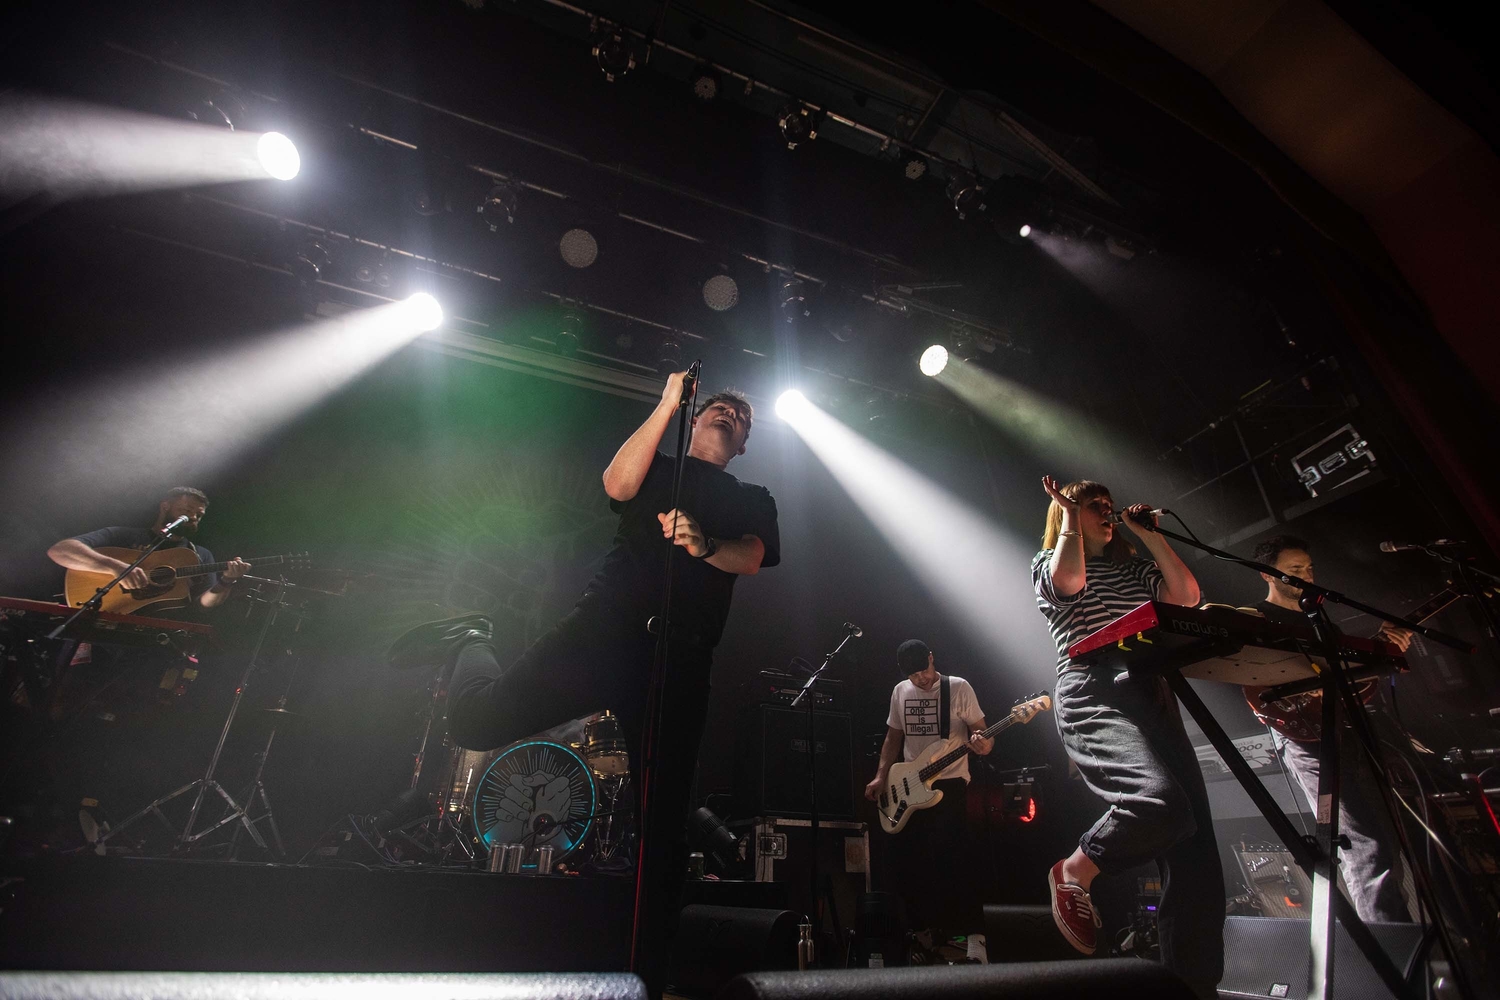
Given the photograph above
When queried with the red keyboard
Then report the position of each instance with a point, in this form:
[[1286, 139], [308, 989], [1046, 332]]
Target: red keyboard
[[1237, 648], [104, 627]]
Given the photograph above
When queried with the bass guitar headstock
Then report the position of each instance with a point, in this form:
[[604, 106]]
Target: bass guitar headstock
[[1028, 708]]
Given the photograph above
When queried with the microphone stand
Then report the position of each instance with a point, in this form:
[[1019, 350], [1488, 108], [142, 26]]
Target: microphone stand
[[816, 917], [97, 601], [662, 627], [1465, 584], [1318, 855]]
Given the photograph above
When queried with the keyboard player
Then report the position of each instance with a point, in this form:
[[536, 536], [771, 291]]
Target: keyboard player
[[1125, 734], [1368, 864]]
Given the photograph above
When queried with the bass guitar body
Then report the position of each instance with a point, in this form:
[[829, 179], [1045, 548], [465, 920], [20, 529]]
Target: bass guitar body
[[167, 589], [906, 793]]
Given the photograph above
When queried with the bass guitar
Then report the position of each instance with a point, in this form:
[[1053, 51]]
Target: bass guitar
[[908, 788], [1300, 716], [171, 572]]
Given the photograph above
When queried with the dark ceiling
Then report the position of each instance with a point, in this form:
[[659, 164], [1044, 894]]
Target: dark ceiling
[[409, 114]]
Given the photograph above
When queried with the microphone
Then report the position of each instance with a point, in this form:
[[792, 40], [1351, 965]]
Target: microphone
[[1118, 518], [853, 629], [181, 520], [1438, 543], [690, 381]]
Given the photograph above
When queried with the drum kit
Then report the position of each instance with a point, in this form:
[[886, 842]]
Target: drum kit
[[556, 801]]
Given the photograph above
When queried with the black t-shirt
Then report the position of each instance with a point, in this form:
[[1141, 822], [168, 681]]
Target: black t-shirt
[[634, 572], [121, 537]]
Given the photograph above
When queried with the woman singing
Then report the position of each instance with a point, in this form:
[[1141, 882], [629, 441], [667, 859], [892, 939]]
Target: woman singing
[[1125, 734]]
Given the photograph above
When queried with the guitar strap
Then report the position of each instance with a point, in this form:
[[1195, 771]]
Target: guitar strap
[[943, 708]]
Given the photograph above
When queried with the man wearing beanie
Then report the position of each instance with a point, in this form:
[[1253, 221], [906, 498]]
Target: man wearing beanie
[[930, 858]]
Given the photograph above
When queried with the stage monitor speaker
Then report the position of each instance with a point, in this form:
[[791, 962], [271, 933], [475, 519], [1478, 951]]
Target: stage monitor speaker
[[1024, 934], [319, 986], [1093, 979], [716, 943], [1268, 957], [780, 786]]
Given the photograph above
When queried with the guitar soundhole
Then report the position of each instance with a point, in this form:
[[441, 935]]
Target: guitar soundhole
[[163, 576]]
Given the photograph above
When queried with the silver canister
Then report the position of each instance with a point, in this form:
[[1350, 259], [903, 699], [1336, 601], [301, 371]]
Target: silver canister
[[497, 858], [510, 861], [544, 856]]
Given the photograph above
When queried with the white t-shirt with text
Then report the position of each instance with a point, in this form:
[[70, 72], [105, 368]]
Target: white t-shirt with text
[[915, 712]]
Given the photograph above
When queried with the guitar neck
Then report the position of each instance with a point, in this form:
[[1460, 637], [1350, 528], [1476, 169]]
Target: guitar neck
[[219, 567], [942, 763]]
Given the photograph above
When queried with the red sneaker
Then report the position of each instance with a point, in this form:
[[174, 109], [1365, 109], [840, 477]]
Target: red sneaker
[[1073, 911]]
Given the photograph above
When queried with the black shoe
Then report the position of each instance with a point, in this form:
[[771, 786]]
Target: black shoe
[[438, 642]]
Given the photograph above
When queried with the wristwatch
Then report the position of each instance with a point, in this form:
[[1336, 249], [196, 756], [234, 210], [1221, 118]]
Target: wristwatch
[[710, 546]]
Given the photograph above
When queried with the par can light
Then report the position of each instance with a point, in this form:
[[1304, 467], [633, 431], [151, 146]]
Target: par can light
[[934, 359], [278, 156]]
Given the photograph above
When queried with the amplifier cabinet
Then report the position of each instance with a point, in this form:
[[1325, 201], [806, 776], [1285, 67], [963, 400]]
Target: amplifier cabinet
[[771, 772], [779, 849]]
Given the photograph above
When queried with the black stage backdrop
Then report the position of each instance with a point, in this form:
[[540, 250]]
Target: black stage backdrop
[[437, 485]]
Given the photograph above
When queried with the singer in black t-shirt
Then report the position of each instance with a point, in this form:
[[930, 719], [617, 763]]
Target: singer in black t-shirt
[[600, 655]]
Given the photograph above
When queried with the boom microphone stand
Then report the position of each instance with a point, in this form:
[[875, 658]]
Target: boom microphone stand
[[662, 626], [1319, 855], [850, 632]]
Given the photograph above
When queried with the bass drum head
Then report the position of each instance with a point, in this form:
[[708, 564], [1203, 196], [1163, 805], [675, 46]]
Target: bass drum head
[[536, 793]]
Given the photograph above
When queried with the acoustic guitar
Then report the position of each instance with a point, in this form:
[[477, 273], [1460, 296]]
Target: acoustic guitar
[[908, 788], [1300, 716], [171, 572]]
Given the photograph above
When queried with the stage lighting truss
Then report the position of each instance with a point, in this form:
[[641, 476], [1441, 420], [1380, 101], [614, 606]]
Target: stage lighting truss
[[578, 247], [798, 123], [375, 271], [614, 51], [966, 194], [499, 205], [721, 292]]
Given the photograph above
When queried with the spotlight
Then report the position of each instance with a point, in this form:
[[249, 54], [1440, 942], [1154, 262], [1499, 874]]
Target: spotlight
[[794, 302], [669, 358], [1025, 231], [706, 86], [307, 266], [500, 203], [791, 404], [614, 51], [278, 156], [721, 292], [578, 248], [966, 194], [934, 360], [916, 166], [797, 123], [566, 340], [423, 311]]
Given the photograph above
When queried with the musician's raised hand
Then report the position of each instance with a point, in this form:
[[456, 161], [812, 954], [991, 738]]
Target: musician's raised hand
[[671, 396], [1055, 492], [1143, 512]]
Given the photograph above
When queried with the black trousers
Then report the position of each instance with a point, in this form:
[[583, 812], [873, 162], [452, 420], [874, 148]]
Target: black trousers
[[1125, 735], [932, 865], [597, 658]]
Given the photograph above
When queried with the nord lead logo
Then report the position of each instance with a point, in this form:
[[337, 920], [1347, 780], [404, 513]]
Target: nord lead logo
[[1198, 629]]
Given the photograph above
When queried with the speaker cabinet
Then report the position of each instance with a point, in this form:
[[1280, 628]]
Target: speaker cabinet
[[1024, 934], [716, 943], [1094, 979], [1268, 957]]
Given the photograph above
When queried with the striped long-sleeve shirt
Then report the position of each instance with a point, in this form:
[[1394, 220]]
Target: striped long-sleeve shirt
[[1110, 590]]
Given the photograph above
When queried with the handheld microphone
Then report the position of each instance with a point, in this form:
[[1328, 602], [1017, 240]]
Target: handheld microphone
[[853, 629], [690, 381], [1437, 543], [1118, 518], [179, 522]]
